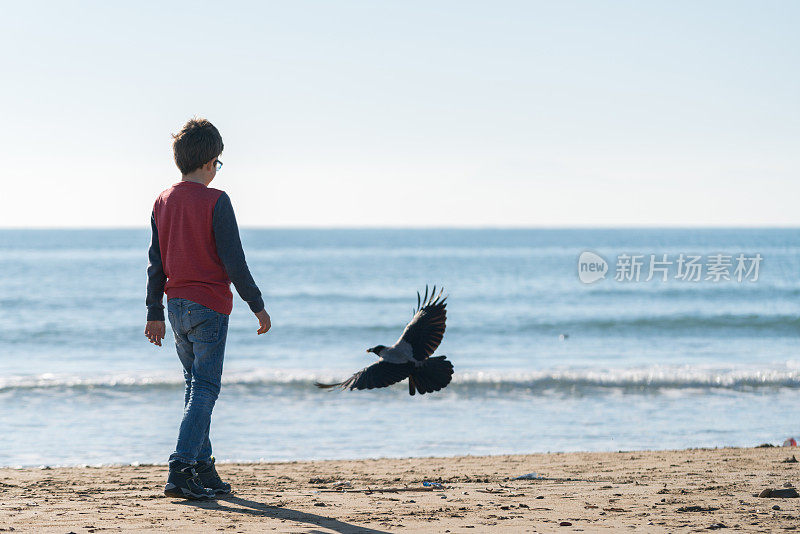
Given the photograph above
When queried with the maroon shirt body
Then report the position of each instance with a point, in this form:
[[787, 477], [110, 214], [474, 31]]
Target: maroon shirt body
[[184, 215]]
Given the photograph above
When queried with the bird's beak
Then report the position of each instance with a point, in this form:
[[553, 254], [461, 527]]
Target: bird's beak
[[367, 350]]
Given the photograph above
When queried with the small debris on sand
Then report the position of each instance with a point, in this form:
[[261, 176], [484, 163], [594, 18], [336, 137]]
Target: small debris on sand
[[529, 476], [786, 493], [321, 480]]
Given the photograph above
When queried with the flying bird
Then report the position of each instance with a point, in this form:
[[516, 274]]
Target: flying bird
[[410, 356]]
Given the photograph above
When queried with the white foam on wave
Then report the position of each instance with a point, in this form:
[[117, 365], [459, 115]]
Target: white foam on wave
[[645, 377], [785, 375]]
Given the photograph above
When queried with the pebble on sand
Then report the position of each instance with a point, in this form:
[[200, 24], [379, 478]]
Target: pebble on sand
[[787, 493]]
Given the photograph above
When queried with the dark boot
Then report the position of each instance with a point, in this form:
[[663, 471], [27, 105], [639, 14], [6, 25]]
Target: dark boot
[[184, 483], [210, 479]]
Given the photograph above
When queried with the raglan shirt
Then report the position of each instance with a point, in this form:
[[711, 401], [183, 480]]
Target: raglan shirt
[[195, 252]]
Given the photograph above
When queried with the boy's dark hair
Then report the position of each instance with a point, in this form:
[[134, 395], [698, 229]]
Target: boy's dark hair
[[196, 144]]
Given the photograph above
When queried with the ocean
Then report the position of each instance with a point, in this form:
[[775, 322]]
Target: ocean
[[543, 361]]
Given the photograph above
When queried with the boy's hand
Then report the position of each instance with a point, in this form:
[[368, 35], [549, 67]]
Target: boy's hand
[[155, 331], [264, 322]]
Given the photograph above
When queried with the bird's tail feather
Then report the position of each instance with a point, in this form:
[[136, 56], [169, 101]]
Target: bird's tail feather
[[433, 375]]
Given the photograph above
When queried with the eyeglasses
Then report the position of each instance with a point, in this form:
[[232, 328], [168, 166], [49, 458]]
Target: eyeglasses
[[218, 165]]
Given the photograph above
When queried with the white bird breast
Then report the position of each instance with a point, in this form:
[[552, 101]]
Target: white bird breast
[[400, 352]]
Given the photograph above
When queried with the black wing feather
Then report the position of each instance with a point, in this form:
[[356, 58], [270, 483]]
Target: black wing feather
[[425, 331], [378, 375]]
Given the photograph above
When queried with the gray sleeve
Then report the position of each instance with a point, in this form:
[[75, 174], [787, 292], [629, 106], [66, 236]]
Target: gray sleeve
[[156, 279], [229, 249]]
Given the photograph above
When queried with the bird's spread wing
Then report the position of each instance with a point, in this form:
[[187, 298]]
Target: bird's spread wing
[[378, 375], [426, 329]]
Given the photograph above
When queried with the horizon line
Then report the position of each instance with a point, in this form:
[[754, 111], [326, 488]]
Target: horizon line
[[437, 227]]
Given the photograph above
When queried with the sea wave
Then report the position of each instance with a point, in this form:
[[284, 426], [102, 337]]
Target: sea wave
[[350, 328], [566, 380], [779, 322]]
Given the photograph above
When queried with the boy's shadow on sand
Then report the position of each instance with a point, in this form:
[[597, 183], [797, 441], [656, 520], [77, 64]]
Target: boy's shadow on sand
[[245, 506]]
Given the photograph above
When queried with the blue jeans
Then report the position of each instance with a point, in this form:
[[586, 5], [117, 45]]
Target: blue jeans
[[200, 335]]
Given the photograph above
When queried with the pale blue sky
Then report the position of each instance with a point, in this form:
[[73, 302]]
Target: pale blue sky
[[406, 113]]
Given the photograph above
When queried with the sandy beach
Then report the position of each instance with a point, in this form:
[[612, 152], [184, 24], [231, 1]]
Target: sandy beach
[[661, 491]]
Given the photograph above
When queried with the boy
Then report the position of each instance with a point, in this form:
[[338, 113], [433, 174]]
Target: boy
[[195, 254]]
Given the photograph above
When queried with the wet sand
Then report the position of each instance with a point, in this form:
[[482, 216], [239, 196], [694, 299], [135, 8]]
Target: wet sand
[[662, 491]]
